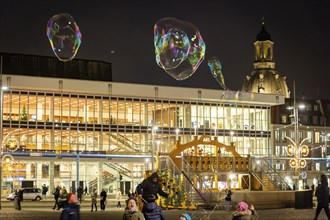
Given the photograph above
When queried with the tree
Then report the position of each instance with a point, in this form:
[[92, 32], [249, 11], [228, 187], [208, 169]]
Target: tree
[[24, 115]]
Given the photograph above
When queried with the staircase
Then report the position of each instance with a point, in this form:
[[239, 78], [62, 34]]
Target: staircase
[[122, 170], [265, 174], [124, 143], [107, 178], [186, 181]]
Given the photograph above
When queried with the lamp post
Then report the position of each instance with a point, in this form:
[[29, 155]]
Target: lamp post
[[296, 149]]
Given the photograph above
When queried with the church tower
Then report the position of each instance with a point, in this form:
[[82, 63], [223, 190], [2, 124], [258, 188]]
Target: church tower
[[264, 78]]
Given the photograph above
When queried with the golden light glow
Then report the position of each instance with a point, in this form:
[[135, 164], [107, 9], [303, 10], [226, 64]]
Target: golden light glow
[[293, 162], [302, 163], [290, 150], [304, 150]]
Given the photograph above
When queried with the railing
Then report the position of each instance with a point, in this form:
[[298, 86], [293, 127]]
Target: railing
[[191, 181], [261, 168], [219, 164], [202, 189], [125, 141], [167, 164], [119, 168]]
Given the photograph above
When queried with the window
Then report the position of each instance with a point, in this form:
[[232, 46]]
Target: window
[[277, 150], [278, 166], [317, 166], [277, 136], [309, 136], [284, 150], [317, 137], [284, 119], [315, 120], [316, 107], [283, 135]]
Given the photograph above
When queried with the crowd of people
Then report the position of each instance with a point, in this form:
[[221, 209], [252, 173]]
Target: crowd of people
[[148, 192]]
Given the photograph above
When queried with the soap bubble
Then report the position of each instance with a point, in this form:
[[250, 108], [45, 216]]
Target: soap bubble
[[216, 67], [64, 36], [179, 47], [173, 48]]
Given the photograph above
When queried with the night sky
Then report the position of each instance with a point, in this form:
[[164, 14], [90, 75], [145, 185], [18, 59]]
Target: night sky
[[121, 32]]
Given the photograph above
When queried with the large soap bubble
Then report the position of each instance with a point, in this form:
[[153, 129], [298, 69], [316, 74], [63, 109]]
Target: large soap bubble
[[64, 36], [179, 47], [216, 67]]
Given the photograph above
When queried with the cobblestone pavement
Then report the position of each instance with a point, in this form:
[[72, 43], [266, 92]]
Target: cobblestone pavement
[[42, 210]]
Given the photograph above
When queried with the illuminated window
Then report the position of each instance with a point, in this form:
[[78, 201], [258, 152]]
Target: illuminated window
[[277, 136], [317, 166], [277, 150], [309, 136], [317, 137]]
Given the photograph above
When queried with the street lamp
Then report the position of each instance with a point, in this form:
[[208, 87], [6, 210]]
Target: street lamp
[[296, 149]]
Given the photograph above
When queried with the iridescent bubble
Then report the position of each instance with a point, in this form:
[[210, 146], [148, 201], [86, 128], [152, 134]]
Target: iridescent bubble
[[173, 48], [64, 36], [216, 67], [179, 47]]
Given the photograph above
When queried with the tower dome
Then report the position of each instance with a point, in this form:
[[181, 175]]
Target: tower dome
[[264, 78]]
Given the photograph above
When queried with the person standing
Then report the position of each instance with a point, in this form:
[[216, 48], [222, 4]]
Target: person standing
[[103, 198], [80, 193], [322, 194], [118, 198], [94, 200], [56, 194], [228, 198], [44, 192], [62, 200], [150, 186], [85, 191], [18, 199]]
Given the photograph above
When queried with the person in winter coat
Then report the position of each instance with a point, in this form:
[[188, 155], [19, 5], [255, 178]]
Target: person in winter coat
[[19, 198], [151, 210], [80, 192], [243, 212], [62, 200], [132, 212], [56, 194], [322, 194], [72, 210], [103, 198], [229, 193], [94, 200], [118, 198], [150, 186]]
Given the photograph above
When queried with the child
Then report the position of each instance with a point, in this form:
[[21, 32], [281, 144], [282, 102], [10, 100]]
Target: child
[[132, 212], [185, 217], [243, 212], [151, 210]]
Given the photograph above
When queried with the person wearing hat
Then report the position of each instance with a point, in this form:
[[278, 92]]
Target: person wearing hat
[[243, 212], [151, 210], [185, 216], [72, 210], [132, 212], [150, 186]]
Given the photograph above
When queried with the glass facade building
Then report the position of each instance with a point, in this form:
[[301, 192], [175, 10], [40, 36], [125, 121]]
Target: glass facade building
[[105, 132]]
